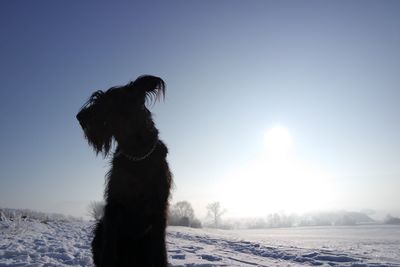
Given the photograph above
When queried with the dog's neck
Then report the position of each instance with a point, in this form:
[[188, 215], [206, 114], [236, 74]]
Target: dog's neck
[[133, 157], [139, 147]]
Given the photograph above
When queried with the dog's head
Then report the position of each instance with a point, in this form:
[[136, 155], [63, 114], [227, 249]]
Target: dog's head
[[119, 113]]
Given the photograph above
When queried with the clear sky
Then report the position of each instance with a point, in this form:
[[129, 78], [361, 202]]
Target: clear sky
[[271, 105]]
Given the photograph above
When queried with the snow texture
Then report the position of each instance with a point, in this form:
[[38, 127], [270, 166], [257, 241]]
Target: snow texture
[[28, 242]]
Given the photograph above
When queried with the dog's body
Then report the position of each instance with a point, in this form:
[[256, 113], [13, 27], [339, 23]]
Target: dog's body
[[132, 229]]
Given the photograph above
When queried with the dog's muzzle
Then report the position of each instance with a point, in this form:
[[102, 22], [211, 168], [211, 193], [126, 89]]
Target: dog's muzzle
[[80, 117]]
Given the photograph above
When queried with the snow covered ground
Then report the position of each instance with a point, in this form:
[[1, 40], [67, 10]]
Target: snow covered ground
[[55, 243], [318, 246], [67, 243]]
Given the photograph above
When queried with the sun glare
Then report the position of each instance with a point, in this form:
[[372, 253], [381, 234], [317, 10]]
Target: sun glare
[[277, 180]]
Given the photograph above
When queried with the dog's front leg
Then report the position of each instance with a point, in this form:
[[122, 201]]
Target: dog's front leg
[[160, 250], [109, 255]]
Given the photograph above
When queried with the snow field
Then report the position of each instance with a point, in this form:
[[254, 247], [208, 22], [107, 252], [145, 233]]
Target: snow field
[[285, 247], [32, 243], [67, 243]]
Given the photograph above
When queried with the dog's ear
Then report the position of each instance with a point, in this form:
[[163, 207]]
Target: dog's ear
[[150, 88]]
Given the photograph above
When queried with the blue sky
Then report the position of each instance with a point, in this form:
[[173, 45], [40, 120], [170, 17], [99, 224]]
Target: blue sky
[[327, 71]]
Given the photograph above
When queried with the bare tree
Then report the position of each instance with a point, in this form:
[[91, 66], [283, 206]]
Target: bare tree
[[182, 214], [215, 212], [96, 209], [184, 209]]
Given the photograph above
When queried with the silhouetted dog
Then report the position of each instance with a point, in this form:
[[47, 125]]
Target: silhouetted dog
[[132, 230]]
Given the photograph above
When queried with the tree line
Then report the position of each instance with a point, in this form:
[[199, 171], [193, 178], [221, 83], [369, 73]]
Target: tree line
[[182, 214]]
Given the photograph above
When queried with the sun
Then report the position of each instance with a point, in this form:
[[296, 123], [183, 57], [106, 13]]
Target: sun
[[278, 141]]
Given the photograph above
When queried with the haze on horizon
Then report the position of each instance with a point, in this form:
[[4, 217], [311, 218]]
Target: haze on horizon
[[271, 105]]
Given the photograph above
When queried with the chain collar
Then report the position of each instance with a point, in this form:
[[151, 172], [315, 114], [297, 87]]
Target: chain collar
[[134, 158]]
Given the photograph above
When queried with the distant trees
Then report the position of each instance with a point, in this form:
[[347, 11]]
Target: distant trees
[[7, 214], [215, 212], [276, 220], [280, 220], [391, 220], [182, 214]]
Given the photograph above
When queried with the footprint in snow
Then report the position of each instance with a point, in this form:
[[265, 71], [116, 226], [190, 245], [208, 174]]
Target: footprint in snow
[[178, 256], [210, 257]]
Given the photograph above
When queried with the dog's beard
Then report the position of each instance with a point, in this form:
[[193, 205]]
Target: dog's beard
[[96, 132]]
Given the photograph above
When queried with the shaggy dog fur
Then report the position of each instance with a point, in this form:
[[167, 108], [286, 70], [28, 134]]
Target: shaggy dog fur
[[132, 229]]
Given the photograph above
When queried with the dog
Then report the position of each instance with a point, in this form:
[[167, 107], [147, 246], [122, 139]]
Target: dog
[[132, 229]]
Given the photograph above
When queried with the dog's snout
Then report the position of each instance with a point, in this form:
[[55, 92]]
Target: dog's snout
[[80, 118]]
